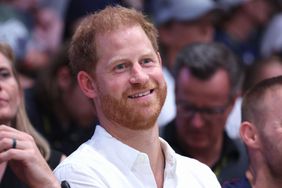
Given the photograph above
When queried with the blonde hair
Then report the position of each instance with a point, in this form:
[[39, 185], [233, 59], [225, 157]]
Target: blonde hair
[[21, 121]]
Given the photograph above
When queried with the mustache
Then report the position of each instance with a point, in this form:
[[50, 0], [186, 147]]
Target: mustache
[[139, 87]]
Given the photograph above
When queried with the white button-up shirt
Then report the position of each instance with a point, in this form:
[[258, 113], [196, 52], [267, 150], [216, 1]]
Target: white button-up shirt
[[104, 161]]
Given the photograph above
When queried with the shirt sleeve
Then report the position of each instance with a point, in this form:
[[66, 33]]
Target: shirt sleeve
[[78, 176]]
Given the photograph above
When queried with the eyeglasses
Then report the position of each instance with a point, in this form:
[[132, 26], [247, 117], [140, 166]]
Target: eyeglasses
[[189, 110]]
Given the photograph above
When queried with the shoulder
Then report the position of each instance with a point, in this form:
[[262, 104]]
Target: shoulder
[[195, 166], [81, 157], [85, 166], [89, 167], [187, 170]]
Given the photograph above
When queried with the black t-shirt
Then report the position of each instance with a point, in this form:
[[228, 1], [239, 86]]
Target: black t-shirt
[[10, 180]]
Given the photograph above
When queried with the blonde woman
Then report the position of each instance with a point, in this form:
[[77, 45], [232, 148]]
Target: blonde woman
[[23, 152]]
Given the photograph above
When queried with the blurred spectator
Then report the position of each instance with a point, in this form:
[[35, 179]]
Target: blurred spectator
[[241, 30], [272, 38], [208, 80], [23, 151], [76, 10], [58, 6], [22, 5], [57, 107], [44, 42], [261, 69], [241, 26], [264, 68], [35, 35], [14, 29], [180, 22]]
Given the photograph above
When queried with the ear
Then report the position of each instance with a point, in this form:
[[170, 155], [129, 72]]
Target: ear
[[64, 78], [87, 84], [249, 134]]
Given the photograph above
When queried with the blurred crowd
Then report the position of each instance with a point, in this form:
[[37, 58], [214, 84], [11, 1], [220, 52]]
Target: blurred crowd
[[39, 32]]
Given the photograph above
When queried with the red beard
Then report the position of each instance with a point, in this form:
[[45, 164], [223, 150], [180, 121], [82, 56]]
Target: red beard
[[135, 117]]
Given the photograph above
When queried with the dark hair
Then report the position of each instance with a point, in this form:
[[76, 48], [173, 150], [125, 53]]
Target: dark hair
[[253, 106], [204, 59], [47, 83]]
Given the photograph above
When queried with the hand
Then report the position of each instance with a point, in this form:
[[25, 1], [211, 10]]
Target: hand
[[25, 159]]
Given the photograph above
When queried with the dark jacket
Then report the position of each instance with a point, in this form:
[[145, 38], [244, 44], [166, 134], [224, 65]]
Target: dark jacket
[[238, 183], [233, 161]]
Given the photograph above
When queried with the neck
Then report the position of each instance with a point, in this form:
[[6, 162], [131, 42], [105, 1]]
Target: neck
[[146, 141], [207, 155], [6, 122]]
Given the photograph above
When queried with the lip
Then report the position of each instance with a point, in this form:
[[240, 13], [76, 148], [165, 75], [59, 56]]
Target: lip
[[141, 94], [3, 102], [3, 99]]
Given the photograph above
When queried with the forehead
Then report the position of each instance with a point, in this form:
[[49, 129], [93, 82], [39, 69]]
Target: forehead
[[122, 37], [4, 62], [269, 109], [216, 88], [271, 69], [272, 99]]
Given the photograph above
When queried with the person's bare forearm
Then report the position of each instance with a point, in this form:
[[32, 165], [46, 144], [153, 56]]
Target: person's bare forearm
[[50, 183]]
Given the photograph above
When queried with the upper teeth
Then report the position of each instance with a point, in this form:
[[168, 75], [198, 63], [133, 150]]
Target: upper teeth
[[140, 94]]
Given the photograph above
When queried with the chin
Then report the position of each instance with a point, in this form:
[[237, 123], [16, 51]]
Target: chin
[[4, 114], [142, 122]]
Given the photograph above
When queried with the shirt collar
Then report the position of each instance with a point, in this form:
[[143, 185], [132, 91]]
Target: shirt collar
[[170, 158], [123, 155]]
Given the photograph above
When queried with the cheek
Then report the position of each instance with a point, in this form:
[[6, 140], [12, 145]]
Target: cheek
[[15, 100], [157, 75], [113, 88], [15, 94], [182, 124], [217, 129]]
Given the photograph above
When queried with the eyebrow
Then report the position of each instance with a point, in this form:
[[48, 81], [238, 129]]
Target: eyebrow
[[116, 60]]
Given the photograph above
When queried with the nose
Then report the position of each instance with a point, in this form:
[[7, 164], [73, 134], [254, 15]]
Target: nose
[[138, 75], [197, 121]]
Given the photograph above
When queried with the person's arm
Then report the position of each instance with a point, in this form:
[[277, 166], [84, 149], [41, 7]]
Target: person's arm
[[20, 151]]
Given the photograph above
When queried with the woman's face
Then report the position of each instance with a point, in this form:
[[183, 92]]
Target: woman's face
[[9, 92]]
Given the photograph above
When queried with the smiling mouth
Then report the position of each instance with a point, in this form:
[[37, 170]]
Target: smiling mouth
[[138, 95], [3, 100]]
